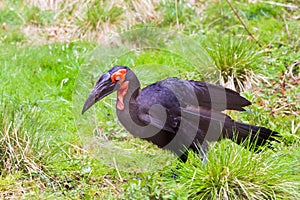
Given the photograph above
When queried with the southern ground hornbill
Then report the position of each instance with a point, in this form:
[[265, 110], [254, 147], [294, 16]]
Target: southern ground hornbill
[[176, 114]]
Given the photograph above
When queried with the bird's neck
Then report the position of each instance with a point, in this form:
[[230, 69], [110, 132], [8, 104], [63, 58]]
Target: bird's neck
[[127, 107], [127, 94]]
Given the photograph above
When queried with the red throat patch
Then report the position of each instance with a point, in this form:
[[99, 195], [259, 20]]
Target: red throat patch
[[121, 93]]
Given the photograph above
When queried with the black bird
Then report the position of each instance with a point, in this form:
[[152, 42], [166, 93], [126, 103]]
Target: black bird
[[176, 114]]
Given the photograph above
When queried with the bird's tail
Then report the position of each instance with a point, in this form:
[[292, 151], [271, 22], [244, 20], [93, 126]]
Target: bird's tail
[[256, 135]]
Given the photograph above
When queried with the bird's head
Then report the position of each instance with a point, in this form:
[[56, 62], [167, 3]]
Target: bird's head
[[106, 84]]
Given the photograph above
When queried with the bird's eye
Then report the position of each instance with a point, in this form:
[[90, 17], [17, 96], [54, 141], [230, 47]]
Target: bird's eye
[[118, 75]]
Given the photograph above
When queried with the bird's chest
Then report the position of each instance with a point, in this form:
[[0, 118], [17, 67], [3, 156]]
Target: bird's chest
[[130, 121], [144, 131]]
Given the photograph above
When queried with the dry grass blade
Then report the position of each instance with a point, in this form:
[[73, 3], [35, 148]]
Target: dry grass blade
[[17, 151], [45, 4], [291, 69], [288, 6], [18, 143], [112, 185], [243, 23]]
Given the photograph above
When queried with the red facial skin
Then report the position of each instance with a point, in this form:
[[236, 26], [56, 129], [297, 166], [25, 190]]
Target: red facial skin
[[119, 76]]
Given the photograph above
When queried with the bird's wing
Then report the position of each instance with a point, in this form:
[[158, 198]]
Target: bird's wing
[[218, 96], [215, 125], [191, 122], [209, 121], [189, 127], [206, 95], [174, 105], [157, 117], [165, 103]]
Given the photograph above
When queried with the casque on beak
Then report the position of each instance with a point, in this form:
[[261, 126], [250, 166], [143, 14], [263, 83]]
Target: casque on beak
[[103, 87]]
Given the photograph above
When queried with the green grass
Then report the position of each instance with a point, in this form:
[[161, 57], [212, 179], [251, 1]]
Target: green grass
[[236, 58], [232, 172], [49, 150], [175, 13], [100, 12]]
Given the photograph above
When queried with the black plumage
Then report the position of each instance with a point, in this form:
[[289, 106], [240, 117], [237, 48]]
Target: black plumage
[[176, 114]]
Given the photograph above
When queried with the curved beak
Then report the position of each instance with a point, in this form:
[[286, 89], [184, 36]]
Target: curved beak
[[103, 87]]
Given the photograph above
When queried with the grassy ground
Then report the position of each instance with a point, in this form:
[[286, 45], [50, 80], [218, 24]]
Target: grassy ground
[[49, 151]]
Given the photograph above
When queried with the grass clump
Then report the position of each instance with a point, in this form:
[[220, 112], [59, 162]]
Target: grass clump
[[232, 172], [10, 16], [35, 16], [234, 57], [12, 36], [21, 139], [100, 11]]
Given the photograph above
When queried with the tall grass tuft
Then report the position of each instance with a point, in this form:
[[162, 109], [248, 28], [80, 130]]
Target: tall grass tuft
[[21, 143], [235, 58], [99, 12], [233, 172]]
